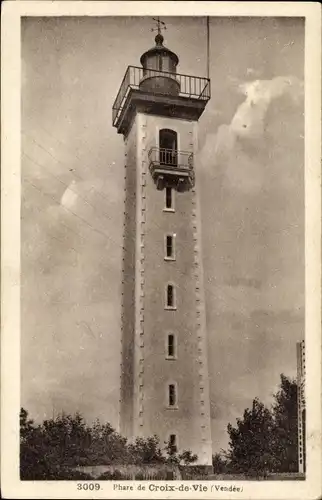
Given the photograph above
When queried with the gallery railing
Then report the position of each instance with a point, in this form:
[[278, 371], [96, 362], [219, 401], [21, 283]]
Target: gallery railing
[[195, 87]]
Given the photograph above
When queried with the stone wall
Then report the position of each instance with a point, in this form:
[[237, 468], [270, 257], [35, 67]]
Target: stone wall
[[144, 472]]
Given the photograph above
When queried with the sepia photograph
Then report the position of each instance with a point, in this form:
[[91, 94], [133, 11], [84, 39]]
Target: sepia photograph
[[163, 237]]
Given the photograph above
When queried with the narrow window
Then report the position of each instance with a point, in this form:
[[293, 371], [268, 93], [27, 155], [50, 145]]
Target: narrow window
[[173, 443], [172, 395], [168, 198], [168, 144], [171, 346], [170, 296], [168, 139], [169, 246], [167, 64], [159, 63]]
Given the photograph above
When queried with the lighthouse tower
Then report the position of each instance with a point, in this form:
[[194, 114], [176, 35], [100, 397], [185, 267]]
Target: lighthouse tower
[[164, 377]]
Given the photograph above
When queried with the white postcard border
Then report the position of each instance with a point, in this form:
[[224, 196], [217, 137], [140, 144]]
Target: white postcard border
[[11, 485]]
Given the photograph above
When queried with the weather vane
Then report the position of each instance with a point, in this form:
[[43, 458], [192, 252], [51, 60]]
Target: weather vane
[[159, 27]]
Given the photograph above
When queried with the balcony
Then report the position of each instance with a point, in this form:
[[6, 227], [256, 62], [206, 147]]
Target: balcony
[[169, 167], [159, 92]]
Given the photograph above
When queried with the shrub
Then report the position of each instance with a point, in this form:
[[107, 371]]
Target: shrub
[[113, 475]]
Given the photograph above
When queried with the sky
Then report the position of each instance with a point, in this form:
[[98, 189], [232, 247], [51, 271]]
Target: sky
[[251, 168]]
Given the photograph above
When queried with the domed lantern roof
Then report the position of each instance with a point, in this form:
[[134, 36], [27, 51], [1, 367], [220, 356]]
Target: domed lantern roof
[[159, 57]]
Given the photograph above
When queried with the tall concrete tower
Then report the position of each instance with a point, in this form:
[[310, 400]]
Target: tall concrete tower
[[164, 380]]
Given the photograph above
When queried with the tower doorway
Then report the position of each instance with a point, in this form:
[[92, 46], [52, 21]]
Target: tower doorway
[[168, 144]]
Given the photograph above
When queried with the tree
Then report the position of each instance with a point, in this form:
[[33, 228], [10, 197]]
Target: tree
[[145, 451], [250, 441], [107, 446], [187, 457], [171, 453], [66, 440], [286, 426], [265, 439], [220, 463], [26, 426], [48, 451], [32, 462]]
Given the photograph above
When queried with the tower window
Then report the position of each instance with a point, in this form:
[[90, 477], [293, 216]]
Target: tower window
[[168, 139], [169, 247], [168, 144], [159, 62], [173, 443], [171, 346], [170, 297], [172, 397], [169, 200]]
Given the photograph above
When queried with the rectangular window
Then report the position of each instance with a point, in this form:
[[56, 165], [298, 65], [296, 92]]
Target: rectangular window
[[171, 346], [168, 198], [167, 65], [169, 244], [170, 296], [159, 63], [173, 443], [172, 395]]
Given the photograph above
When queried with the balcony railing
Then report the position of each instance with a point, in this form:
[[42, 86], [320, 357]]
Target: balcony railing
[[188, 86], [171, 158], [174, 165]]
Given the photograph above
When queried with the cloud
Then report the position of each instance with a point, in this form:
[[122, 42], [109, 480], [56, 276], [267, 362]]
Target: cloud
[[249, 119], [242, 147]]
